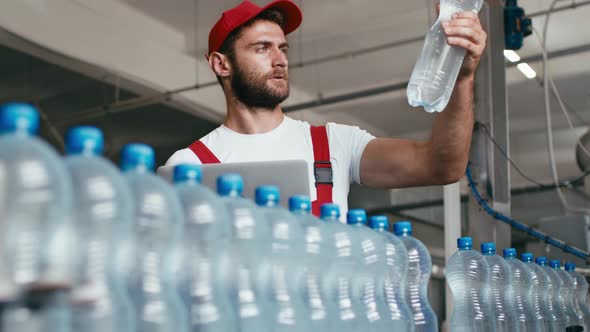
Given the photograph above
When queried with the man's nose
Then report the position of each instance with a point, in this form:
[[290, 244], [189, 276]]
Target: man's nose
[[279, 58]]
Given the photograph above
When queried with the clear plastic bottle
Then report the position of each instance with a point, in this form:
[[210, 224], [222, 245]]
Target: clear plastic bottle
[[550, 314], [581, 295], [435, 73], [157, 227], [419, 270], [39, 254], [318, 258], [499, 289], [566, 295], [287, 283], [522, 283], [103, 217], [371, 283], [206, 256], [250, 244], [396, 263], [467, 275], [338, 280], [553, 292], [534, 296]]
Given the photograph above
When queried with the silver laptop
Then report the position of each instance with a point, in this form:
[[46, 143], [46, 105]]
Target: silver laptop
[[291, 176]]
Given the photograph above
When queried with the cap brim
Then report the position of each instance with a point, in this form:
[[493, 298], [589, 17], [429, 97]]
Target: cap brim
[[293, 15]]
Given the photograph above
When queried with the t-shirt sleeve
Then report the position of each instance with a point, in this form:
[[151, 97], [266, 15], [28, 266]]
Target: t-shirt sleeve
[[349, 142], [184, 156]]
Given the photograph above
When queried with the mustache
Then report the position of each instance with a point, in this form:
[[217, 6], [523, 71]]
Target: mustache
[[278, 73]]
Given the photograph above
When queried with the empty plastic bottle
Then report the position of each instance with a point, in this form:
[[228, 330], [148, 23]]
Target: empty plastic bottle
[[338, 280], [318, 258], [103, 217], [433, 79], [550, 314], [499, 288], [287, 282], [467, 275], [38, 255], [251, 246], [207, 259], [522, 282], [566, 295], [534, 298], [157, 227], [581, 295], [419, 270], [396, 262], [553, 290], [374, 267]]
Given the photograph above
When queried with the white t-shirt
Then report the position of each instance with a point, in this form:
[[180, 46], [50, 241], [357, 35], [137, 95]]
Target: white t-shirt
[[291, 140]]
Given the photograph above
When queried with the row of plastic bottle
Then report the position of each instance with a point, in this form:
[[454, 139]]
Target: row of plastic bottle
[[492, 293], [89, 247]]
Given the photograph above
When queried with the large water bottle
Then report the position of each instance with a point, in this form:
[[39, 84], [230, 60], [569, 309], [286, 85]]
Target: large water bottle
[[581, 295], [534, 298], [499, 288], [396, 261], [467, 275], [522, 283], [550, 314], [251, 246], [419, 270], [157, 228], [374, 267], [553, 292], [207, 259], [318, 258], [38, 253], [103, 215], [566, 295], [433, 79], [338, 280], [287, 283]]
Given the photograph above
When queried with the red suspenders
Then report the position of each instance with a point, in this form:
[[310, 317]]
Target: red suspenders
[[322, 167]]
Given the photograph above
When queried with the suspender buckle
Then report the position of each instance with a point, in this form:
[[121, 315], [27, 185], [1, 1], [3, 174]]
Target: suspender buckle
[[322, 171]]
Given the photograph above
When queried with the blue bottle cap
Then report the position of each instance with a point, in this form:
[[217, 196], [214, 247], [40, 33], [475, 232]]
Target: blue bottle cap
[[464, 243], [187, 173], [402, 228], [379, 222], [570, 267], [138, 156], [526, 257], [488, 248], [555, 264], [330, 211], [268, 196], [86, 140], [230, 184], [300, 203], [541, 260], [509, 253], [356, 216], [18, 117]]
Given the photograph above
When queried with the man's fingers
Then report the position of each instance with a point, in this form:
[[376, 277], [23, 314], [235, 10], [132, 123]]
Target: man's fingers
[[462, 32]]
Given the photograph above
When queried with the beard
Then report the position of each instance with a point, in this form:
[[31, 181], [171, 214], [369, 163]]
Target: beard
[[253, 91]]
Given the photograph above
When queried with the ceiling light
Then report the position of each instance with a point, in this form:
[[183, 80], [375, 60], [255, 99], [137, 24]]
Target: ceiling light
[[527, 70], [511, 56]]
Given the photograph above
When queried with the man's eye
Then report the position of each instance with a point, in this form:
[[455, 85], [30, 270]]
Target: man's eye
[[262, 49], [285, 50]]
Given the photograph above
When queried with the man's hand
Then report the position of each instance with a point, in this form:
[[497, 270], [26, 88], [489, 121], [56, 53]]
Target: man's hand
[[464, 30]]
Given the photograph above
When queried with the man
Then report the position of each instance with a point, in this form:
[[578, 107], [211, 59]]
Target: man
[[248, 53]]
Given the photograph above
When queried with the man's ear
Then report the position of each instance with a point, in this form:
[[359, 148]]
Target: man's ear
[[220, 65]]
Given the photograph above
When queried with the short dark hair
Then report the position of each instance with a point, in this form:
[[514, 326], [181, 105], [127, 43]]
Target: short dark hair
[[272, 15]]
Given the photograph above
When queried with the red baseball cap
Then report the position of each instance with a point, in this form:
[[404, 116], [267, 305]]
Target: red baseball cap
[[244, 12]]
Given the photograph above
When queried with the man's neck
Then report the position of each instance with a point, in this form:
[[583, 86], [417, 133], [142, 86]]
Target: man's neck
[[252, 120]]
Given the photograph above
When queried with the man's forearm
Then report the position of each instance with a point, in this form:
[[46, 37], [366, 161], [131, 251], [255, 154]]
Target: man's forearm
[[451, 133]]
